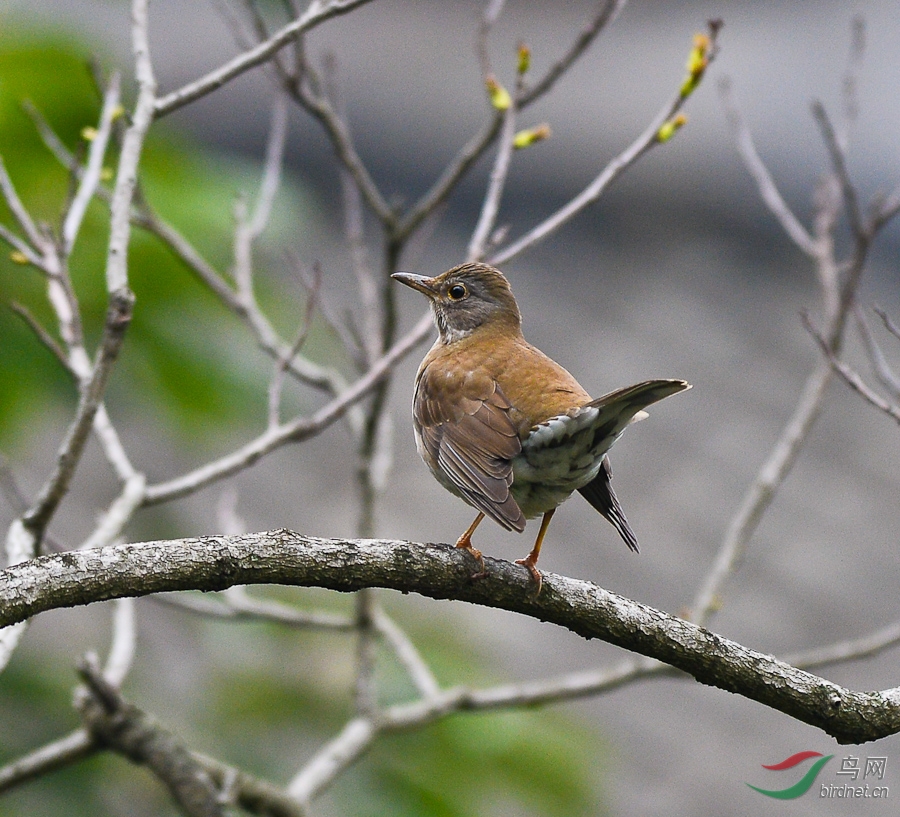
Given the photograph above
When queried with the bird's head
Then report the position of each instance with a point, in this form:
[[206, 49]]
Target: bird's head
[[466, 298]]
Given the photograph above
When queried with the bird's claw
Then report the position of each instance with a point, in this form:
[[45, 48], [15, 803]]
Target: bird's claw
[[535, 573], [464, 544]]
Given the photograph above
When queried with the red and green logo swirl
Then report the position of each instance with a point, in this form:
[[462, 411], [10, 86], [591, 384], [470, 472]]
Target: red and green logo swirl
[[804, 784]]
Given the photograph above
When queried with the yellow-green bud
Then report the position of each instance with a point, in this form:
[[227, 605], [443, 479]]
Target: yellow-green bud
[[500, 97], [670, 128], [526, 138], [697, 61], [88, 133], [524, 58], [18, 257]]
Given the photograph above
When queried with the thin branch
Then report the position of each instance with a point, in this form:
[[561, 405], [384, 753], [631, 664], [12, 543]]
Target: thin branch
[[250, 229], [272, 168], [49, 137], [768, 190], [647, 140], [119, 512], [241, 606], [121, 651], [307, 90], [365, 688], [300, 429], [888, 323], [282, 365], [118, 317], [489, 17], [18, 245], [332, 759], [849, 650], [129, 157], [407, 654], [604, 16], [762, 491], [317, 12], [125, 729], [839, 163], [18, 209], [883, 371], [320, 377], [887, 208], [250, 793], [60, 753], [499, 172], [606, 12], [850, 377], [849, 93], [450, 177], [48, 341], [440, 571], [89, 179]]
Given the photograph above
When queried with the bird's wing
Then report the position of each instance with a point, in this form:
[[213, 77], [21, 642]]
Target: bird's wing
[[467, 433]]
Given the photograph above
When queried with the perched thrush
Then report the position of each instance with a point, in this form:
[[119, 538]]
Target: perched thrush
[[504, 427]]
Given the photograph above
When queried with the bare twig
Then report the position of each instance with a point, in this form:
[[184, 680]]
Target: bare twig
[[365, 687], [132, 144], [241, 606], [492, 11], [407, 654], [281, 365], [308, 90], [850, 111], [888, 323], [607, 10], [883, 371], [762, 491], [250, 229], [18, 209], [125, 729], [73, 747], [850, 377], [89, 179], [332, 759], [121, 651], [648, 139], [317, 12], [839, 164], [42, 335], [118, 317], [768, 190], [849, 650], [603, 17], [301, 428], [488, 217]]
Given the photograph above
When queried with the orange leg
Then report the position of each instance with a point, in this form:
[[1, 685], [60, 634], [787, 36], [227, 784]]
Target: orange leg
[[465, 542], [530, 561]]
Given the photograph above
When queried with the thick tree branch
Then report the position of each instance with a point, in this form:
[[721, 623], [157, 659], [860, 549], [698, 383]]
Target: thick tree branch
[[440, 572]]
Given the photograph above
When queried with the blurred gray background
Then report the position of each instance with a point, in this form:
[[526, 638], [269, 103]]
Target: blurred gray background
[[678, 272]]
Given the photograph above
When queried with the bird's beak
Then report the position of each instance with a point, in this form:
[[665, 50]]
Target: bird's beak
[[421, 283]]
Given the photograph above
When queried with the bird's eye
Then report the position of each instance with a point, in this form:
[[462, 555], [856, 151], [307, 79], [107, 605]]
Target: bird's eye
[[457, 292]]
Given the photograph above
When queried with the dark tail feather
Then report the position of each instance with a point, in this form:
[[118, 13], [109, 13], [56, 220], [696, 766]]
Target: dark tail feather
[[601, 495]]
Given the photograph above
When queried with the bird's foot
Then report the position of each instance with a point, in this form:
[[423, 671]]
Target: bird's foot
[[464, 543], [529, 563]]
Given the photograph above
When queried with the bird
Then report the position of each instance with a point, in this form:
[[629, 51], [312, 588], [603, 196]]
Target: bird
[[501, 425]]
